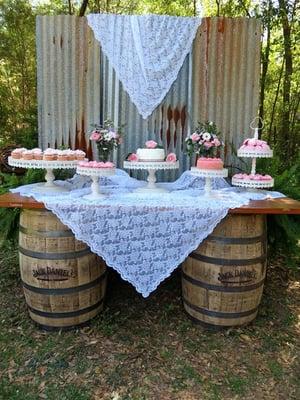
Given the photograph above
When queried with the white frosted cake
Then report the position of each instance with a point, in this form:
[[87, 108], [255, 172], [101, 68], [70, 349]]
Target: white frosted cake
[[151, 154]]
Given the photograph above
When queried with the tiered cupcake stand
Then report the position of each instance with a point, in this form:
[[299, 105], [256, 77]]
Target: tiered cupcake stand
[[49, 166], [209, 175], [95, 174], [151, 167], [253, 183]]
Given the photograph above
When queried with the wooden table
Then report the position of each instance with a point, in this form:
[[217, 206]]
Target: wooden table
[[222, 280], [269, 206]]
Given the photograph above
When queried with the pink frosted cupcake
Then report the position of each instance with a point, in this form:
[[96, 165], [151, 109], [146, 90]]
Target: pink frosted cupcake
[[37, 154], [79, 154], [62, 156], [17, 153], [50, 155], [27, 155]]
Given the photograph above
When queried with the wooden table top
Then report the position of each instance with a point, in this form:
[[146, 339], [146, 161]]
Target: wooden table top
[[269, 206]]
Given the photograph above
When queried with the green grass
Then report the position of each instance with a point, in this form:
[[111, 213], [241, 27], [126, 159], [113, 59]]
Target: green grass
[[147, 349]]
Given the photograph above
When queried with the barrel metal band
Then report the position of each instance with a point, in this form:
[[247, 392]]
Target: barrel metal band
[[228, 262], [218, 288], [219, 314], [63, 291], [237, 240], [211, 327], [46, 234], [54, 256], [69, 314]]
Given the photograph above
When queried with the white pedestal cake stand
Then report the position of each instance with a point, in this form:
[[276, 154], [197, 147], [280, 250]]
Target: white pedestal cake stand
[[209, 175], [49, 166], [151, 167], [95, 173]]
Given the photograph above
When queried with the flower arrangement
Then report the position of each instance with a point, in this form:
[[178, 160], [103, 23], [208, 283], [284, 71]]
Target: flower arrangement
[[106, 138], [205, 141]]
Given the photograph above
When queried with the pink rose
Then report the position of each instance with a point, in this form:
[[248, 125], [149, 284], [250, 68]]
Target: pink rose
[[216, 142], [171, 157], [95, 136], [133, 157], [151, 144], [208, 145], [195, 137]]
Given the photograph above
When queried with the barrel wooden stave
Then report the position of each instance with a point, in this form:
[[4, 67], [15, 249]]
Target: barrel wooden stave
[[64, 283], [222, 281]]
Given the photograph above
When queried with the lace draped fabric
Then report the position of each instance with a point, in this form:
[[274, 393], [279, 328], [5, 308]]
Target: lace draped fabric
[[144, 236], [146, 51]]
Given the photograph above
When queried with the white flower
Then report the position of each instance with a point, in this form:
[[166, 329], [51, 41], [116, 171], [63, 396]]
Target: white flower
[[211, 123], [107, 136], [206, 136]]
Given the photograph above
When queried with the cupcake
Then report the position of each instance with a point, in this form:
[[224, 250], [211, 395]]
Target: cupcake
[[71, 155], [50, 155], [17, 153], [27, 155], [37, 154], [79, 154], [62, 156]]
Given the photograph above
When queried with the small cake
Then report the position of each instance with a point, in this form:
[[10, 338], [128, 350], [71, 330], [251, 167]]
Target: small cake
[[27, 155], [151, 152], [70, 154], [255, 147], [50, 155], [37, 154], [17, 153], [79, 154], [209, 163]]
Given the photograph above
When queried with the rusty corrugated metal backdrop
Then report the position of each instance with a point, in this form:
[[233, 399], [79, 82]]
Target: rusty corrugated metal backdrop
[[77, 86]]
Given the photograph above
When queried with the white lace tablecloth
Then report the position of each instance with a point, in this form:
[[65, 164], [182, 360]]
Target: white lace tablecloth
[[143, 237]]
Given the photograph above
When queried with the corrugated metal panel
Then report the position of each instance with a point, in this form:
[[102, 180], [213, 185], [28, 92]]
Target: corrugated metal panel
[[219, 81], [226, 64], [68, 65]]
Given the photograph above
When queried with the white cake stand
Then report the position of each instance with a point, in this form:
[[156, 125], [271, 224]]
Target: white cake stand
[[49, 166], [151, 167], [252, 184], [209, 174], [95, 173]]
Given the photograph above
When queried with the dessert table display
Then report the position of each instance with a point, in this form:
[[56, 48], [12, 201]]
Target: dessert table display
[[151, 167], [145, 237], [95, 170]]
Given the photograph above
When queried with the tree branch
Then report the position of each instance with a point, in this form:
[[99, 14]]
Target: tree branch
[[83, 8]]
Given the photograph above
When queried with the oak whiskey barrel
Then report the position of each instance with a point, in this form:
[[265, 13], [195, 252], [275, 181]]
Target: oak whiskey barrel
[[222, 280], [64, 283]]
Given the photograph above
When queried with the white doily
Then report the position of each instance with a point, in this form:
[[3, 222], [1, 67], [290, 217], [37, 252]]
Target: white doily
[[146, 51]]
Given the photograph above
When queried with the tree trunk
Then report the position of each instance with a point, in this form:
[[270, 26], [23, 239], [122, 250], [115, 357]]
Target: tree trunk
[[83, 8], [288, 61], [265, 56]]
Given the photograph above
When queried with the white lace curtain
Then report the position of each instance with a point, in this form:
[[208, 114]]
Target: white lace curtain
[[146, 51]]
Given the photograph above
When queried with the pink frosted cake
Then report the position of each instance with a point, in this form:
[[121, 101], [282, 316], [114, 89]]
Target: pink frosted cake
[[255, 148], [209, 163]]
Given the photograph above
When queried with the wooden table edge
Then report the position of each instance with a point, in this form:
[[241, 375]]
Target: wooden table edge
[[278, 206]]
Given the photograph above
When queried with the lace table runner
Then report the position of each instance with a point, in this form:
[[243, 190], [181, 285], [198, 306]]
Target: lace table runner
[[144, 237]]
